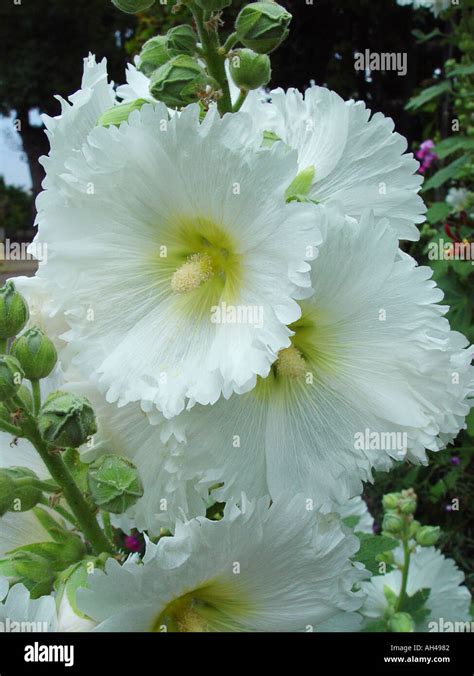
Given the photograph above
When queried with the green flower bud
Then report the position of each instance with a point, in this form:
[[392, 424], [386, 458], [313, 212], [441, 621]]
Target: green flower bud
[[114, 483], [66, 420], [153, 55], [386, 557], [181, 40], [426, 536], [407, 505], [35, 352], [390, 595], [133, 6], [213, 5], [14, 311], [249, 70], [392, 523], [178, 81], [262, 26], [390, 500], [7, 492], [401, 622], [11, 376], [26, 496], [118, 114]]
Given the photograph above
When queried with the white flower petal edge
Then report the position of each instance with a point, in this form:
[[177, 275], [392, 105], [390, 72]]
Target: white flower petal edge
[[258, 569], [167, 194], [359, 160], [19, 612], [449, 599], [381, 377], [68, 131]]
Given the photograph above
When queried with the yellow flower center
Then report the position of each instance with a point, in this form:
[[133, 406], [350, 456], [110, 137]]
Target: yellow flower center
[[291, 363], [197, 270]]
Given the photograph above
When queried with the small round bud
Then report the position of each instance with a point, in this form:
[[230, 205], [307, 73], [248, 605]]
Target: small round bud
[[14, 311], [250, 70], [153, 55], [390, 500], [66, 420], [178, 81], [7, 492], [213, 5], [262, 26], [181, 40], [114, 483], [35, 352], [133, 6], [407, 505], [401, 622], [120, 113], [26, 496], [426, 536], [392, 523], [11, 376], [386, 557]]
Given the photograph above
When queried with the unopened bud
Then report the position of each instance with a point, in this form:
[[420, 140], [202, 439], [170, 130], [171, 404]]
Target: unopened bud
[[250, 70], [178, 81], [262, 26], [392, 523], [14, 311], [7, 492], [133, 6], [181, 40], [426, 536], [35, 353], [153, 55], [114, 483], [66, 420], [390, 500], [401, 622]]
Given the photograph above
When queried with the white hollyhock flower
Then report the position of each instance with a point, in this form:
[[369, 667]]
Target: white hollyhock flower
[[373, 374], [448, 601], [436, 6], [158, 223], [258, 569], [359, 160], [138, 84], [19, 612]]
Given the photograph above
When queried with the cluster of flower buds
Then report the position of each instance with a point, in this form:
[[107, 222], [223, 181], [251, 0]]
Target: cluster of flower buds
[[176, 62], [399, 521]]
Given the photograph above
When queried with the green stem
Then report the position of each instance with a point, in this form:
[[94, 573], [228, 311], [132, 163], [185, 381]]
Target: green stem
[[215, 61], [241, 98], [45, 486], [76, 501], [406, 566], [108, 526], [11, 429], [36, 390]]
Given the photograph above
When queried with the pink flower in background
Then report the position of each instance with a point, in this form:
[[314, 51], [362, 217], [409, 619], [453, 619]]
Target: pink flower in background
[[132, 543], [425, 155]]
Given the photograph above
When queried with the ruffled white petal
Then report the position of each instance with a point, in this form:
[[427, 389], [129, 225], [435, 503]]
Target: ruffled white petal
[[359, 160], [280, 569]]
